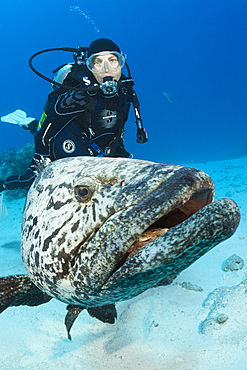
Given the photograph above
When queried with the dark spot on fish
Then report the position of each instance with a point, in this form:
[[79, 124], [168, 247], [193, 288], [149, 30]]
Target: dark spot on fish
[[30, 252], [110, 209], [75, 226], [94, 212], [63, 257], [55, 233], [62, 239], [57, 205], [30, 217], [40, 188], [46, 280], [36, 235], [37, 259], [63, 185], [50, 189], [30, 227]]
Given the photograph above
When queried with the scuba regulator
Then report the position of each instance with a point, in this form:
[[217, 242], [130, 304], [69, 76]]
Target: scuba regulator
[[109, 86]]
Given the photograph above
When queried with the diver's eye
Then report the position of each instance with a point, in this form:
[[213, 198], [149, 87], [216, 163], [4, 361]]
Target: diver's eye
[[82, 193], [114, 62]]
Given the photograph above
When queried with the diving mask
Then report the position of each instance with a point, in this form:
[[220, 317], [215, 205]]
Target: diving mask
[[105, 61]]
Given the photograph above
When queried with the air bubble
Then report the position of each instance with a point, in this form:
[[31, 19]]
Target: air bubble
[[87, 17]]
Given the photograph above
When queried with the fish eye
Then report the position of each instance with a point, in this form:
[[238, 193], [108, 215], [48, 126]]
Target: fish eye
[[82, 193], [85, 189]]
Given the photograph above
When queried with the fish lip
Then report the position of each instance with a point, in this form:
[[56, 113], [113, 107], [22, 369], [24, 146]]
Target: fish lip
[[185, 203], [178, 214], [188, 190], [162, 261]]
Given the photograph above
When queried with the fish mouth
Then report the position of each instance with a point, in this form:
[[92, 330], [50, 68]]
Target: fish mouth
[[161, 209], [174, 217]]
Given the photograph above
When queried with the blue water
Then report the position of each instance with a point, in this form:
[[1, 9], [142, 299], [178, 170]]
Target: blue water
[[193, 50]]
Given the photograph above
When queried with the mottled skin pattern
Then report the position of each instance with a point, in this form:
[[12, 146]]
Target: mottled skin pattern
[[76, 249]]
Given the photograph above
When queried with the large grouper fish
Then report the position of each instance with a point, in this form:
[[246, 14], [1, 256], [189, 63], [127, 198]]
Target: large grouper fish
[[97, 231]]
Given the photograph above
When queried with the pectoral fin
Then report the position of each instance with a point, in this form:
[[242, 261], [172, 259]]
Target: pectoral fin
[[18, 290]]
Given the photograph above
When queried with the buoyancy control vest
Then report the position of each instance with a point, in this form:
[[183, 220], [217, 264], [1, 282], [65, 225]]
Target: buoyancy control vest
[[84, 123]]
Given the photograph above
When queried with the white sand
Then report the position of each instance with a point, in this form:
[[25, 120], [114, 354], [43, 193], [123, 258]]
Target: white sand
[[158, 329]]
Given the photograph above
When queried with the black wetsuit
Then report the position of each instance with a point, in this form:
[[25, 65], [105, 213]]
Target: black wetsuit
[[78, 123]]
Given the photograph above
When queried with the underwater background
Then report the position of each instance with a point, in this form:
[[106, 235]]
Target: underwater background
[[193, 50]]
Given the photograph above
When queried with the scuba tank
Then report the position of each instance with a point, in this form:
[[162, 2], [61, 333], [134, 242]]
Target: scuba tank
[[61, 75]]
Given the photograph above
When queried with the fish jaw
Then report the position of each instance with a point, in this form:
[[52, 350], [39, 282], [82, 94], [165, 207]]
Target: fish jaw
[[171, 253]]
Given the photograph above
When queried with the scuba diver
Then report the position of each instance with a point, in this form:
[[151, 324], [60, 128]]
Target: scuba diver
[[85, 112]]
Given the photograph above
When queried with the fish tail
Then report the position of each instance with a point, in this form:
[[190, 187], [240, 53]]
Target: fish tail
[[18, 290]]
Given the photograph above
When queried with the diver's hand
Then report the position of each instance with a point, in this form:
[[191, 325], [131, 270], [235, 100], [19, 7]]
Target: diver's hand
[[142, 136]]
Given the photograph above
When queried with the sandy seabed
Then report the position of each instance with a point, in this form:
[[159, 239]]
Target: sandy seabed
[[175, 327]]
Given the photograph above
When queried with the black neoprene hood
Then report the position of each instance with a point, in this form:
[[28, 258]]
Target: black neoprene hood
[[102, 45]]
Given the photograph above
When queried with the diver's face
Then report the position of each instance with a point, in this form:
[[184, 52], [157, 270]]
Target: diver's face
[[106, 65]]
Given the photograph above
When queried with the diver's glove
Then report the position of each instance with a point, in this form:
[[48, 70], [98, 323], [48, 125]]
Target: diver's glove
[[19, 117], [142, 136]]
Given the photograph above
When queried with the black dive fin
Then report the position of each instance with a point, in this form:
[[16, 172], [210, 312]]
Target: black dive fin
[[18, 290], [107, 313], [73, 312]]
